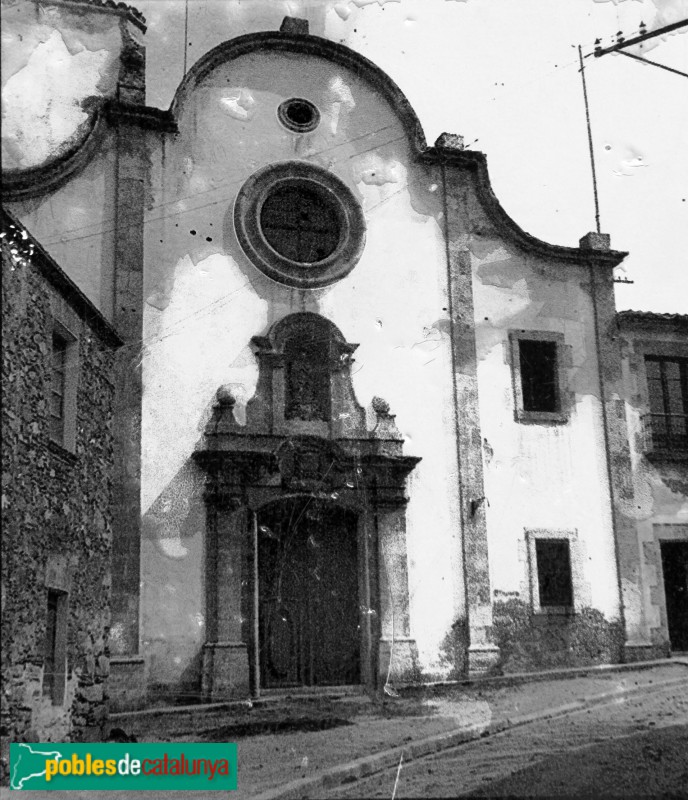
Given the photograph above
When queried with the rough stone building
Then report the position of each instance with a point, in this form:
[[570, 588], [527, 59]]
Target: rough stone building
[[368, 429], [57, 457]]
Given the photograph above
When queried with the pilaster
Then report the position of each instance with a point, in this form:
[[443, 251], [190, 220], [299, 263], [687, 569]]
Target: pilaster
[[225, 674], [131, 178], [482, 652], [618, 455]]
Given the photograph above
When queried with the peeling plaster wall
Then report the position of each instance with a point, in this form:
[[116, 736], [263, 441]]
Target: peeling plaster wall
[[503, 74], [76, 225], [204, 300], [59, 63], [545, 475], [55, 59], [660, 490]]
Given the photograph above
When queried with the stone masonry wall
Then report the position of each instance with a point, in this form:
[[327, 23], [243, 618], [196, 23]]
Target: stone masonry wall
[[56, 520]]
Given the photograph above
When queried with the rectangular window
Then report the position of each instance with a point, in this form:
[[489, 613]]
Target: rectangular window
[[539, 378], [537, 360], [55, 649], [555, 585], [667, 386], [57, 388]]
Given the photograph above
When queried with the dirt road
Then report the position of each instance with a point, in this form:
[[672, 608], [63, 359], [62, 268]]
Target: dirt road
[[637, 746]]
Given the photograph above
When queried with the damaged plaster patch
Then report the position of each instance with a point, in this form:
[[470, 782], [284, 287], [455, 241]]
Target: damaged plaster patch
[[342, 97], [42, 103], [362, 3], [238, 103], [626, 160], [342, 11], [373, 170]]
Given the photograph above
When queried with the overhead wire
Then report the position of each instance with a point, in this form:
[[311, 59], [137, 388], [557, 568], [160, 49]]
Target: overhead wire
[[243, 175]]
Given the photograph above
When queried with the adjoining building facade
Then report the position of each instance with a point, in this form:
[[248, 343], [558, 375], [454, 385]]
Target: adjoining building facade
[[368, 429], [655, 569], [57, 462]]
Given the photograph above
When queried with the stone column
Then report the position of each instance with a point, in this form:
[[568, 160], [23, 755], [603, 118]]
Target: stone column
[[225, 655]]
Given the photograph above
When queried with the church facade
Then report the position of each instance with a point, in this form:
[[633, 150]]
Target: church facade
[[368, 431]]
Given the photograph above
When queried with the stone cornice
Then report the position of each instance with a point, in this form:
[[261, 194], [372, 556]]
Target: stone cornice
[[448, 150], [648, 320], [475, 163], [19, 184], [306, 45], [129, 13]]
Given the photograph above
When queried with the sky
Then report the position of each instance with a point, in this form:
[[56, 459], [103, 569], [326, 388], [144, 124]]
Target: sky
[[505, 75], [502, 73]]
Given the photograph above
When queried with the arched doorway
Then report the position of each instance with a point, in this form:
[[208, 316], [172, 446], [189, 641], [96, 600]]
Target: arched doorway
[[309, 631], [304, 504]]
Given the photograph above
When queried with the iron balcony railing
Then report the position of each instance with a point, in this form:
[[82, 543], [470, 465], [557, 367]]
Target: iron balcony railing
[[666, 433]]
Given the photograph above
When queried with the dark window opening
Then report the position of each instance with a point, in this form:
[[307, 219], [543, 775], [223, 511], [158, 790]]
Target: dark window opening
[[57, 388], [307, 379], [667, 385], [539, 379], [301, 224], [55, 647], [554, 572], [675, 571]]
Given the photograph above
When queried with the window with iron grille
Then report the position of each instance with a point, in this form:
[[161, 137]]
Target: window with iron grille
[[667, 385], [301, 224]]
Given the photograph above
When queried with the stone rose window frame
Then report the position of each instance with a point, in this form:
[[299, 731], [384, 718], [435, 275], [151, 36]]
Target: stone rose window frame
[[335, 196]]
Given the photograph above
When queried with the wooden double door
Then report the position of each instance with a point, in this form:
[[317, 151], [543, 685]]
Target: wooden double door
[[309, 617]]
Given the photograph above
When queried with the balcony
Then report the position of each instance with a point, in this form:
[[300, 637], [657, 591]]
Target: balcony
[[666, 436]]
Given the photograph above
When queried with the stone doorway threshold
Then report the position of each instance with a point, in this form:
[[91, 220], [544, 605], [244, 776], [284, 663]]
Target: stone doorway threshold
[[304, 692]]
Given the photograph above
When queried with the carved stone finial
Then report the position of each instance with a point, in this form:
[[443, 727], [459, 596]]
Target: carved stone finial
[[386, 428], [294, 25], [225, 397], [449, 141], [380, 406], [223, 419]]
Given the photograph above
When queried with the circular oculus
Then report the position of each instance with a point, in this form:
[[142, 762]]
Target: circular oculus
[[299, 224]]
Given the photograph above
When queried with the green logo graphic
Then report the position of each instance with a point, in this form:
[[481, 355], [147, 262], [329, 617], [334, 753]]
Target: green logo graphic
[[160, 766]]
